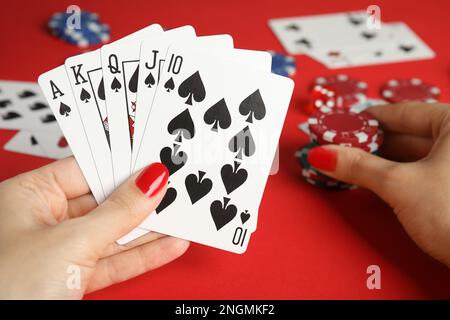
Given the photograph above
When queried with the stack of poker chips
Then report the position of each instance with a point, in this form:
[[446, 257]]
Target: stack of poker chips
[[82, 29], [338, 126]]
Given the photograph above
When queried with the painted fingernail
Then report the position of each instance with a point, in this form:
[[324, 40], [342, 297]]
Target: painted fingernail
[[323, 158], [152, 179]]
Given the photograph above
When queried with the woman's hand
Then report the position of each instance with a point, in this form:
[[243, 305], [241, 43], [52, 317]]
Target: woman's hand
[[51, 230], [415, 182]]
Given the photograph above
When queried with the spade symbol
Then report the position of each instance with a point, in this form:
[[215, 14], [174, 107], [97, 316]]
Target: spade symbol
[[355, 19], [245, 216], [197, 188], [48, 118], [169, 85], [173, 160], [11, 115], [222, 214], [133, 84], [406, 48], [85, 96], [368, 35], [293, 27], [218, 115], [101, 90], [62, 142], [253, 106], [233, 178], [242, 142], [115, 85], [26, 94], [192, 87], [304, 42], [64, 109], [5, 103], [169, 197], [149, 81], [33, 141], [38, 106], [182, 126]]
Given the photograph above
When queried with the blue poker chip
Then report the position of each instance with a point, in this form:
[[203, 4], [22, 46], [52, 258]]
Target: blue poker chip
[[90, 30], [283, 65]]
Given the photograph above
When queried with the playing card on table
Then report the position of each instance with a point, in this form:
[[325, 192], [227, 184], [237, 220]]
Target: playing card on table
[[120, 65], [23, 106], [57, 90], [318, 32], [25, 142], [217, 132], [403, 45]]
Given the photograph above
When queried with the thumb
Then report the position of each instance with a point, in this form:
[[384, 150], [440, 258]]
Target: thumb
[[356, 166], [127, 206]]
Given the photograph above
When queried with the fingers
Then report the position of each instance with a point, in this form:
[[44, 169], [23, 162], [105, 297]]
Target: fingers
[[356, 166], [134, 262], [127, 206], [64, 175], [405, 147], [412, 118], [78, 207]]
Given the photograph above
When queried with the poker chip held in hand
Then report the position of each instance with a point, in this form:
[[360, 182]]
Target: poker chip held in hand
[[401, 90], [314, 177], [340, 127], [283, 65], [83, 31]]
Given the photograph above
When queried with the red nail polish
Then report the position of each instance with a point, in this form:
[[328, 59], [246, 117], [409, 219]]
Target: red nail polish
[[323, 158], [152, 179]]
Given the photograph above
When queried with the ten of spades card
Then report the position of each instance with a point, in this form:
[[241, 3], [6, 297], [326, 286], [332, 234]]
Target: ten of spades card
[[217, 132]]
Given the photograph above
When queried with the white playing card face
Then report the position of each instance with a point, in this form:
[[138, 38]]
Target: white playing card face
[[404, 45], [120, 62], [25, 142], [309, 33], [257, 59], [23, 106], [220, 45], [54, 144], [218, 142], [86, 78], [152, 55], [217, 43], [57, 90]]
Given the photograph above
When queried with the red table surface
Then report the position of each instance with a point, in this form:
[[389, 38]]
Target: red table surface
[[310, 243]]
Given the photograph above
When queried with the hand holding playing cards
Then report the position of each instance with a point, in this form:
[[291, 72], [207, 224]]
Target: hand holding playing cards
[[56, 243], [418, 187]]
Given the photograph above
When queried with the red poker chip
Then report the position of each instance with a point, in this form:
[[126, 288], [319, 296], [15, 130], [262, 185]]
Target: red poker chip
[[400, 90], [343, 127], [348, 90]]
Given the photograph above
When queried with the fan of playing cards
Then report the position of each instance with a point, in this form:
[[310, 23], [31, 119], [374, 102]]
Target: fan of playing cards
[[211, 113]]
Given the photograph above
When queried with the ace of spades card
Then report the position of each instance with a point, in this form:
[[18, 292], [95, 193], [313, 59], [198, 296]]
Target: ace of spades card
[[120, 65], [86, 77], [56, 88], [217, 132]]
